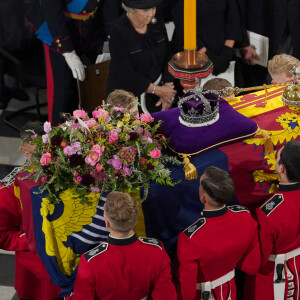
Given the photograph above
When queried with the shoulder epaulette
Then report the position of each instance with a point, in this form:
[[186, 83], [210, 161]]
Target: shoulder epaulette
[[272, 203], [96, 251], [151, 241], [194, 227], [237, 208]]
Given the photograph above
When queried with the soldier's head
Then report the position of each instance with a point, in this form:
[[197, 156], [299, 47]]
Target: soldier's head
[[288, 162], [120, 212], [216, 187]]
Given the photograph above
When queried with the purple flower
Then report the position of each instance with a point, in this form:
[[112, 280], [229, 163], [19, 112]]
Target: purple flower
[[47, 127], [78, 179], [150, 166], [76, 148], [68, 150], [115, 162], [45, 138], [127, 171]]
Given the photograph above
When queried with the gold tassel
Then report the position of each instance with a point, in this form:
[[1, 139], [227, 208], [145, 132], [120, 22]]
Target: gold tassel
[[268, 145], [189, 169]]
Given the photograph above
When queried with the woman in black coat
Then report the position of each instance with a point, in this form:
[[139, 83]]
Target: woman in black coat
[[139, 56]]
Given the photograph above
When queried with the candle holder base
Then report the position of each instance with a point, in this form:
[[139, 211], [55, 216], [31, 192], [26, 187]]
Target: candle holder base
[[189, 65], [190, 59]]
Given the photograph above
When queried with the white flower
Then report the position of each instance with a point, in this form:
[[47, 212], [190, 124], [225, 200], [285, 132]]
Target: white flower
[[45, 138], [47, 127]]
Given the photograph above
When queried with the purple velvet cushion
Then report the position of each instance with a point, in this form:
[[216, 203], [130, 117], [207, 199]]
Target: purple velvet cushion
[[231, 127]]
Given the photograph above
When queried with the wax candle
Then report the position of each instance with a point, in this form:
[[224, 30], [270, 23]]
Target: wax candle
[[190, 25]]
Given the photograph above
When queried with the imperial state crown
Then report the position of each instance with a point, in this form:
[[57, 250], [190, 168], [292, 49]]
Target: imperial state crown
[[199, 108]]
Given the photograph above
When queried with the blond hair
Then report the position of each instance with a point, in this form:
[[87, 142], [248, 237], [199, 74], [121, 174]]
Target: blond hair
[[282, 64], [217, 84], [121, 210], [121, 98]]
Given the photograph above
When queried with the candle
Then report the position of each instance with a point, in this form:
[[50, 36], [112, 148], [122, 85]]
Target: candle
[[190, 25]]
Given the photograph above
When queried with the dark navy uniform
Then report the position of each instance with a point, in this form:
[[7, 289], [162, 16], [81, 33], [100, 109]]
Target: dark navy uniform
[[213, 247], [279, 232], [64, 26], [125, 269]]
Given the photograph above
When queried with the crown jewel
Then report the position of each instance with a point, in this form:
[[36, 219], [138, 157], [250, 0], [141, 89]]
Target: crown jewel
[[199, 108]]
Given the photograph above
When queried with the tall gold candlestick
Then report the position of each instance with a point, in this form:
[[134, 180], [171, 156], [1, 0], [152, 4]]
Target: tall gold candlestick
[[190, 25]]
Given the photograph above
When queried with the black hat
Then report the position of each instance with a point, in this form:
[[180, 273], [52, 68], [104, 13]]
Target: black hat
[[141, 4]]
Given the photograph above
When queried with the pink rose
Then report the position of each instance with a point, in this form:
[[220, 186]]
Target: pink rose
[[98, 149], [94, 157], [68, 151], [155, 153], [146, 118], [112, 138], [45, 159], [47, 127], [91, 123], [101, 113], [80, 113], [99, 167]]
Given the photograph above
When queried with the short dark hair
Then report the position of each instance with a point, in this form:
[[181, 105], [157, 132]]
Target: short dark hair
[[121, 210], [218, 184], [290, 159]]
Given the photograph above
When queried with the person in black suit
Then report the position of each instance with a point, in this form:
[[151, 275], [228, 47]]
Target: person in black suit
[[218, 27], [276, 19]]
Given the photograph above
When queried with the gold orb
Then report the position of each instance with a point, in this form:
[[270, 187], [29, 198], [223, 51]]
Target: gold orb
[[291, 97]]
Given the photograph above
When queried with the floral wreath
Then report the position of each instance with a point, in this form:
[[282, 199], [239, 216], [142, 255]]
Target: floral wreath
[[110, 151]]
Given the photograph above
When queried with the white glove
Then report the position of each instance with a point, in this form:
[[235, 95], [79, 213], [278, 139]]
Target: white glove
[[75, 65], [102, 58]]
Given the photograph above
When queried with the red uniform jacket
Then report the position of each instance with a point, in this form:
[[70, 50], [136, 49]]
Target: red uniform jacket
[[217, 243], [125, 269], [31, 278], [279, 233]]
